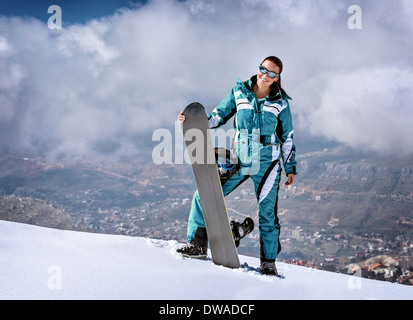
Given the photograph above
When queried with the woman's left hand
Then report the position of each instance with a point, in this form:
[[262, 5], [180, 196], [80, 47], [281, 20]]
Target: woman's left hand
[[181, 117], [290, 179]]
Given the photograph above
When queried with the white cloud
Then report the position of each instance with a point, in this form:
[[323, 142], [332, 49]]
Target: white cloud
[[5, 48], [373, 110], [96, 87], [10, 81]]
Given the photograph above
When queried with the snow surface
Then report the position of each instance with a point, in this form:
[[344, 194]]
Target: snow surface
[[43, 263]]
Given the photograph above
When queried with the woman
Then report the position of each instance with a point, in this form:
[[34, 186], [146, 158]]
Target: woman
[[264, 136]]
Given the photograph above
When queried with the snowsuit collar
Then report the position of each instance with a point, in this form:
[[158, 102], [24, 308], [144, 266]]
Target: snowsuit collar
[[275, 93]]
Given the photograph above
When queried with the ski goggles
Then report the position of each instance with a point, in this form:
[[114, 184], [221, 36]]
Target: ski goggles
[[271, 74]]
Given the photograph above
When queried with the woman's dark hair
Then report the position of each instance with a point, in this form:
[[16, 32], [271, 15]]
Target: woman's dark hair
[[278, 62]]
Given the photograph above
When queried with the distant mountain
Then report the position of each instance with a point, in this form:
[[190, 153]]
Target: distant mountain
[[335, 187], [361, 193], [36, 212]]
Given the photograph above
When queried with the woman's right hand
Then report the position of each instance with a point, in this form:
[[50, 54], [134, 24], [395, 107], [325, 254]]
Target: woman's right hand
[[181, 117]]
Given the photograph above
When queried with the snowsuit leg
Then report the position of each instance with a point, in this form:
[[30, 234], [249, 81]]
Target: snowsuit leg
[[196, 216], [266, 184]]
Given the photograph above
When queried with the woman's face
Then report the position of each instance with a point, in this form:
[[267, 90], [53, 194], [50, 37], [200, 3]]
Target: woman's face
[[263, 80]]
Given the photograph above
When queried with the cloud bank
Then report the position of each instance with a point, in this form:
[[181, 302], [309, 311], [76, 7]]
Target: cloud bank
[[98, 88]]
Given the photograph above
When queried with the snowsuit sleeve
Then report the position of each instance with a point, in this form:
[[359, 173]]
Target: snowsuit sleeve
[[285, 133], [223, 112]]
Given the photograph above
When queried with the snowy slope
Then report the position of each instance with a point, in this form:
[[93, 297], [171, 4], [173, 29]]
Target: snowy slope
[[42, 263]]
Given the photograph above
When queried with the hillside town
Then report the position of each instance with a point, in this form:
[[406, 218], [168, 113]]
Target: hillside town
[[377, 271], [154, 202], [376, 256]]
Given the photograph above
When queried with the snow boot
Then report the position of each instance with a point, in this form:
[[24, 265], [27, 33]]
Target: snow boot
[[197, 248], [240, 230], [268, 267], [193, 252]]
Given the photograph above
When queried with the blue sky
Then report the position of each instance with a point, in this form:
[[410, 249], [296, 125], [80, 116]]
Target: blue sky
[[104, 79], [73, 11]]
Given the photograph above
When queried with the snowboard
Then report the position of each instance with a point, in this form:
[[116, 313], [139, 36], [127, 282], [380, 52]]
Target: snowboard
[[202, 158]]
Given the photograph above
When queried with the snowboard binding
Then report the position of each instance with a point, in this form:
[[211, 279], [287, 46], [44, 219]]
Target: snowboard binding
[[227, 164], [240, 230]]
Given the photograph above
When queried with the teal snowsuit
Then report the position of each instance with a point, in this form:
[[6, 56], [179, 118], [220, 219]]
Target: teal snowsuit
[[264, 136]]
